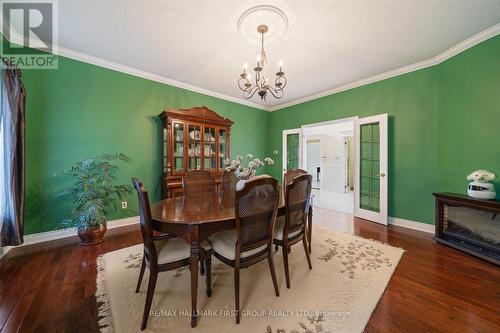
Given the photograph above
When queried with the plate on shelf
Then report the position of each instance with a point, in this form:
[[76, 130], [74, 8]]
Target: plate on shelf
[[195, 135]]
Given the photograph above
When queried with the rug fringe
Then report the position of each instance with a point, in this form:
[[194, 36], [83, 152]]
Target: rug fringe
[[105, 320]]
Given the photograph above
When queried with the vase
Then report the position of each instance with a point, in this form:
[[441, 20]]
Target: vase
[[240, 184], [481, 190], [91, 235]]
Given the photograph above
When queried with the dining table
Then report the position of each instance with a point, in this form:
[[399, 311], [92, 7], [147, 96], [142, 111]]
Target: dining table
[[196, 216]]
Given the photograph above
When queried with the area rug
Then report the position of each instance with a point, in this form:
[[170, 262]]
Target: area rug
[[339, 294]]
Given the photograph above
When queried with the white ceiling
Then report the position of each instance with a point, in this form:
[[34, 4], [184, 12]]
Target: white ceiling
[[328, 43]]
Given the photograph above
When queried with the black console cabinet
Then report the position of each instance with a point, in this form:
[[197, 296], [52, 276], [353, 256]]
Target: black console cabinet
[[469, 225]]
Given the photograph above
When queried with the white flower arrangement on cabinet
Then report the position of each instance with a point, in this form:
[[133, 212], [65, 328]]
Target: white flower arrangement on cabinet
[[480, 186]]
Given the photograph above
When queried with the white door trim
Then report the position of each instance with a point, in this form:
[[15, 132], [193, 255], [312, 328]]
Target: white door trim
[[330, 122], [382, 216]]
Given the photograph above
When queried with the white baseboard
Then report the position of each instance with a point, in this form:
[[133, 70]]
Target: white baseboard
[[60, 234], [420, 226]]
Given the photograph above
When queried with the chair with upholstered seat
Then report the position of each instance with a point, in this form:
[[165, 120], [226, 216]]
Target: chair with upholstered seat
[[255, 210], [162, 253], [291, 174], [198, 181], [228, 181], [288, 177], [291, 228]]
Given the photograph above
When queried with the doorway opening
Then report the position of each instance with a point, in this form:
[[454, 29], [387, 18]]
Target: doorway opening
[[348, 160], [329, 158]]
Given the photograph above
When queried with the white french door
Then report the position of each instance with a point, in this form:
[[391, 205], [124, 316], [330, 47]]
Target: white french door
[[292, 149], [371, 173]]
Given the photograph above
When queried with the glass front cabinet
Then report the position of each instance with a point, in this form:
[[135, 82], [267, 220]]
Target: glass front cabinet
[[192, 139]]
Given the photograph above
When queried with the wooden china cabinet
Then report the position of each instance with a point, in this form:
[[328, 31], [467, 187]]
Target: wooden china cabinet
[[192, 139]]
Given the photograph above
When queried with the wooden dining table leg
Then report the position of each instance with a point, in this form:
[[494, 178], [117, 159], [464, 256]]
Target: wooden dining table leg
[[195, 257], [309, 227]]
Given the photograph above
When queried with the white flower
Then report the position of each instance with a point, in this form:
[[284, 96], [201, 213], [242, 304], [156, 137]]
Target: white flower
[[481, 176], [249, 171]]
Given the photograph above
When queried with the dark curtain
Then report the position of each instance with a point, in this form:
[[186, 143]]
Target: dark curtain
[[13, 98]]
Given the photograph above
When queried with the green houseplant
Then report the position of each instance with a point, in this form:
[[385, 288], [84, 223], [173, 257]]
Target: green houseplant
[[94, 194]]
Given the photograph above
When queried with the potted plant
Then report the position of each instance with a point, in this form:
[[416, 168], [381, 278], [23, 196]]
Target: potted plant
[[480, 186], [93, 195], [245, 173]]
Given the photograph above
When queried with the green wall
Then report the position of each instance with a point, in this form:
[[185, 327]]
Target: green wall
[[81, 110], [443, 124], [470, 114]]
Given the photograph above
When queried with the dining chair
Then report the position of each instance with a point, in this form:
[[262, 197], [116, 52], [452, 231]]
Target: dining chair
[[162, 253], [255, 212], [291, 174], [198, 181], [291, 228], [288, 178], [228, 181]]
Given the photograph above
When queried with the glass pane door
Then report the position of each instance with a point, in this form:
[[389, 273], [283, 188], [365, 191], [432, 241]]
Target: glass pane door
[[371, 179], [194, 147], [292, 149], [222, 147], [178, 147], [369, 182], [209, 149]]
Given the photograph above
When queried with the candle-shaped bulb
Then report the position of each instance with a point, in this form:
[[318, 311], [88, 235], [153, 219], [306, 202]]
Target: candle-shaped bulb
[[245, 65], [258, 57], [281, 65]]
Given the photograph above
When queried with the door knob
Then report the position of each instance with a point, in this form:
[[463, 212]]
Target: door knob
[[382, 174]]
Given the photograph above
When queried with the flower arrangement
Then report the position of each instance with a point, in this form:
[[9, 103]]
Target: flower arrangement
[[242, 172], [483, 176]]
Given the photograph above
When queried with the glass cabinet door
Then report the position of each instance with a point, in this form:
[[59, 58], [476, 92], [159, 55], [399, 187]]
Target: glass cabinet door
[[194, 147], [222, 147], [178, 147], [209, 149]]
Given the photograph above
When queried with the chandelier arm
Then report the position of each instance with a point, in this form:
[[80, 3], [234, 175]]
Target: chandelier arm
[[276, 93], [249, 93], [243, 88], [283, 82]]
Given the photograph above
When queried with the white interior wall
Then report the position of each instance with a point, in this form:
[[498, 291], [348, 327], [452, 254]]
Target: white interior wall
[[333, 154], [313, 156]]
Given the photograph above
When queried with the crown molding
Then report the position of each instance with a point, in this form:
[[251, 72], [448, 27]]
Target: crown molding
[[436, 60], [443, 56]]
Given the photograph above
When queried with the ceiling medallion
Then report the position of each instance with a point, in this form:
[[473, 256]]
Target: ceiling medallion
[[262, 84], [275, 19]]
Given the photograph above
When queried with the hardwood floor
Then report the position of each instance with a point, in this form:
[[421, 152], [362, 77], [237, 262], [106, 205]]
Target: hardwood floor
[[50, 287]]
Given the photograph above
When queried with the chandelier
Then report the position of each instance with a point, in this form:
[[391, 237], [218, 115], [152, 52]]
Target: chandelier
[[262, 84]]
